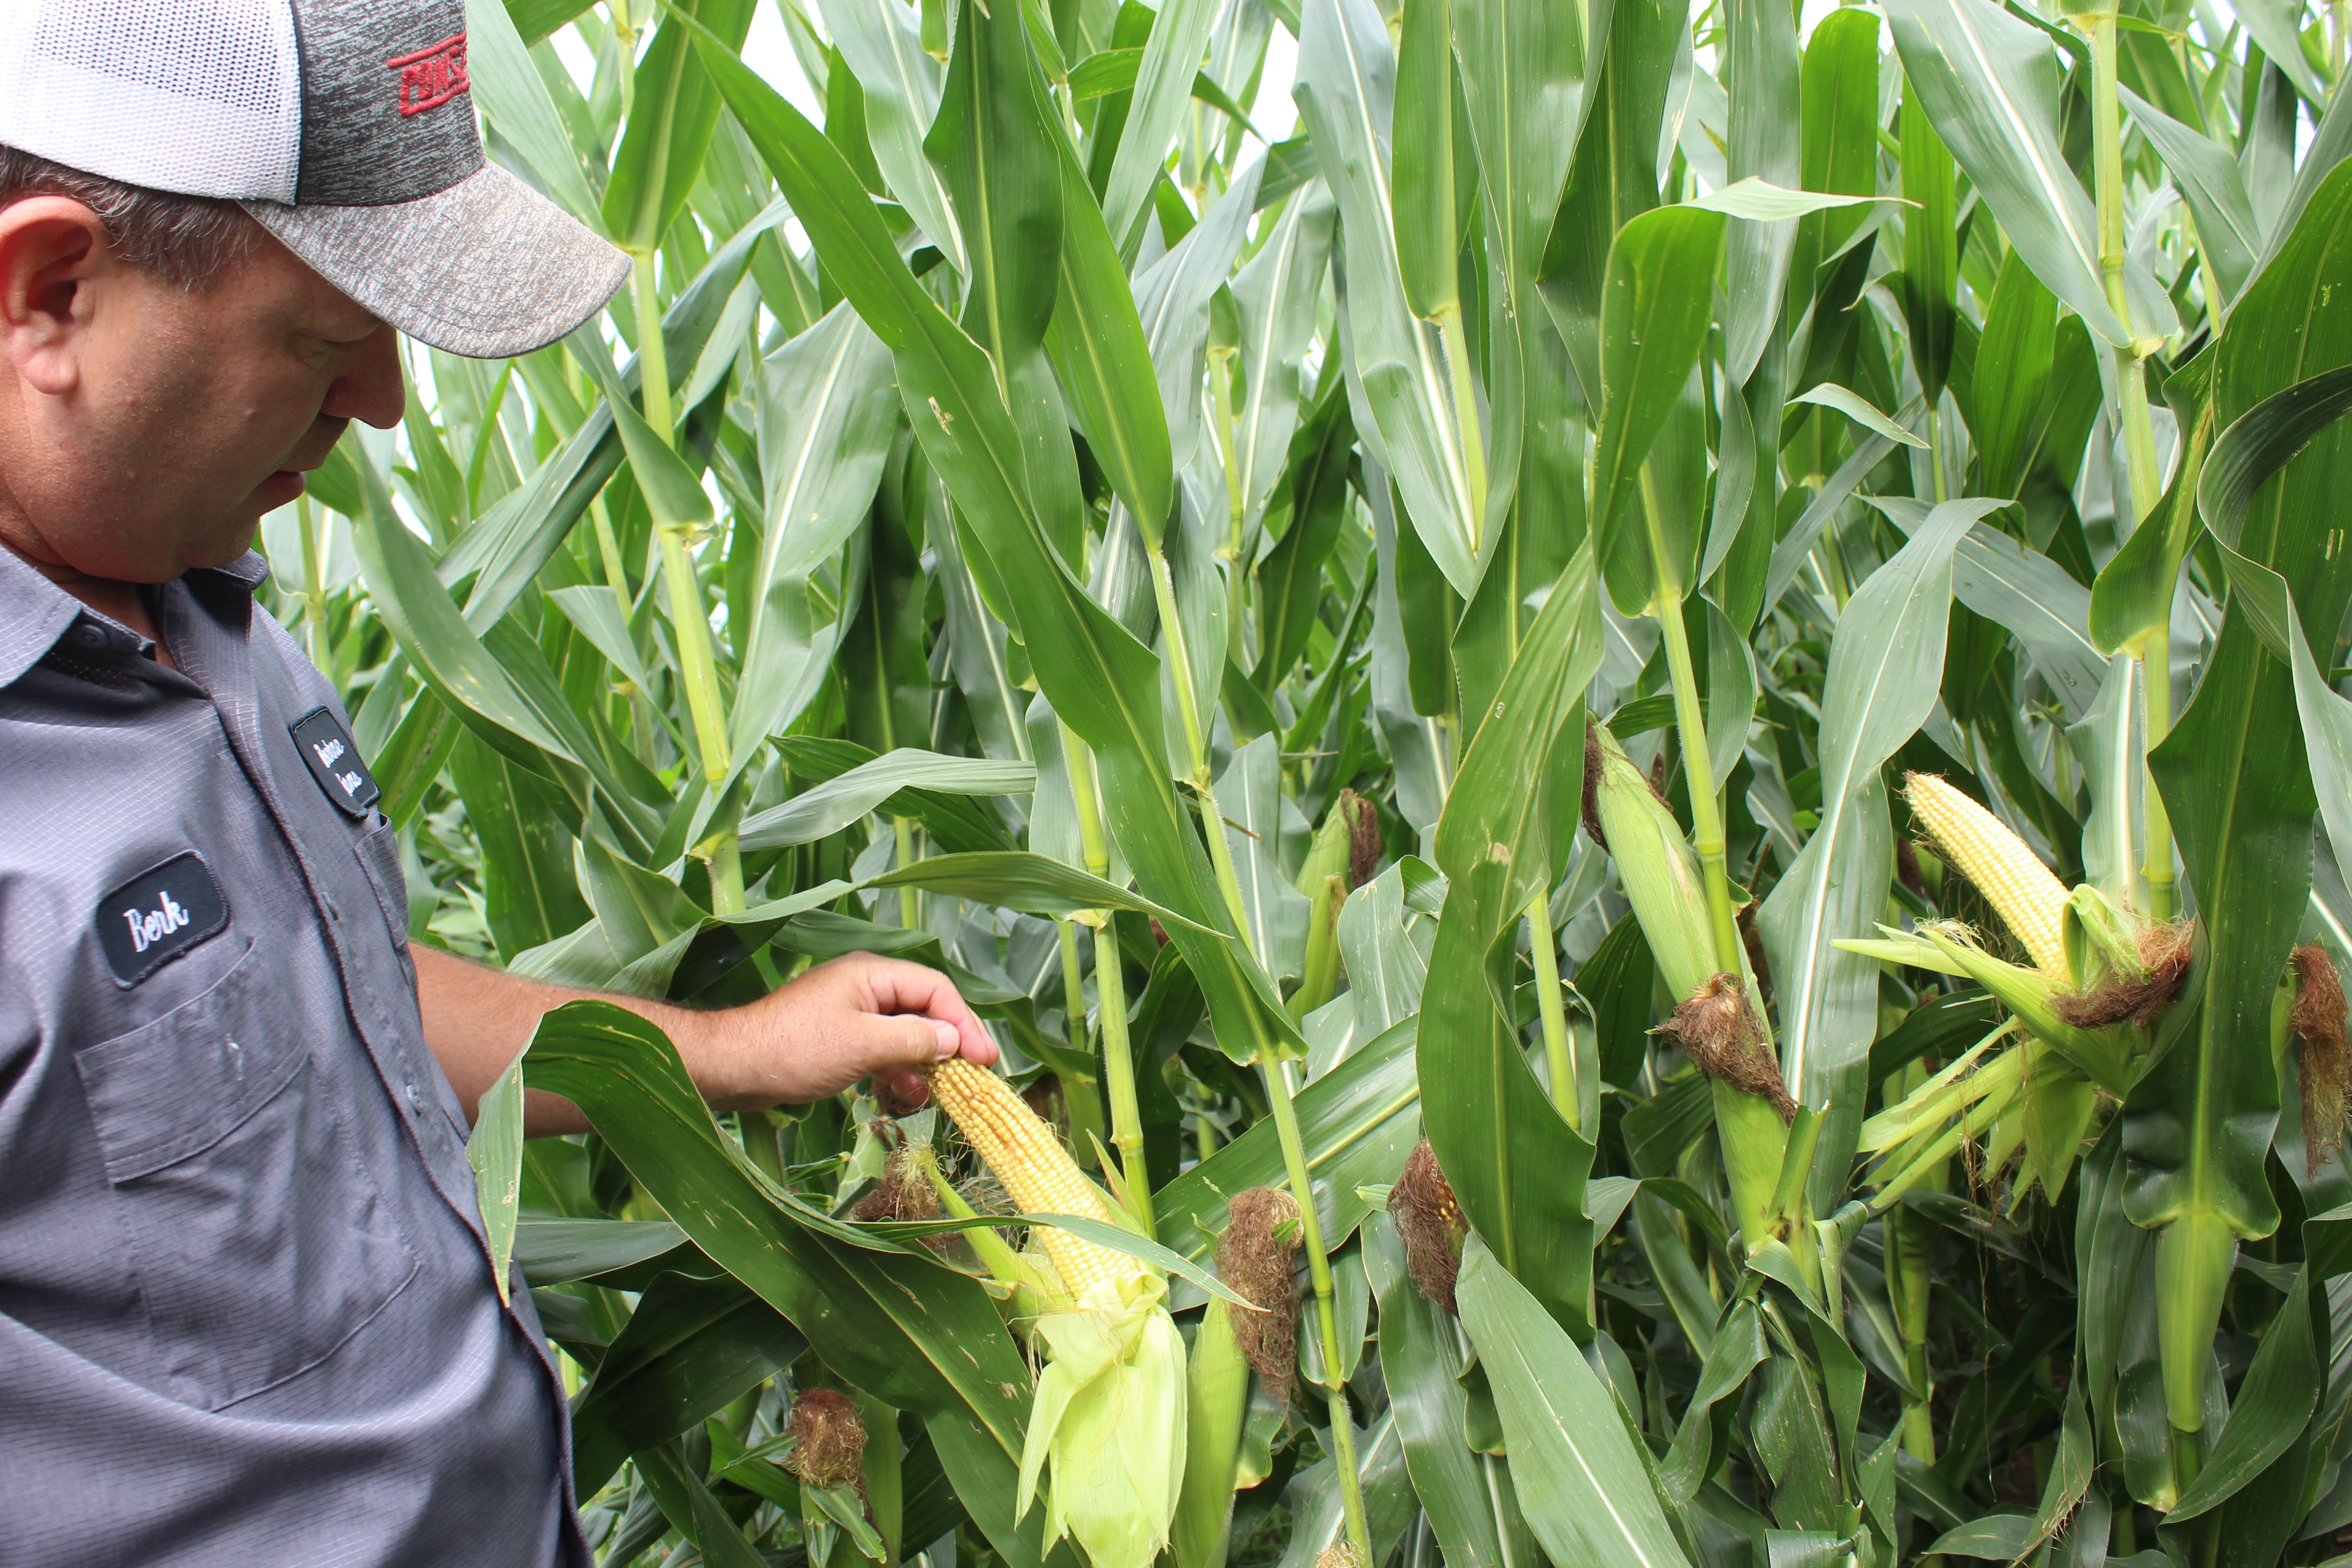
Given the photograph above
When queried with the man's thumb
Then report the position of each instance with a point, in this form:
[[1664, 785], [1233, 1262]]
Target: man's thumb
[[906, 1039]]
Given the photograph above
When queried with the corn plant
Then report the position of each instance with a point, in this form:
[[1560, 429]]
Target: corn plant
[[1638, 745]]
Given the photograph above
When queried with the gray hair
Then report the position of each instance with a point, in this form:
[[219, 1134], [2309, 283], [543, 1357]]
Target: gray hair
[[189, 241]]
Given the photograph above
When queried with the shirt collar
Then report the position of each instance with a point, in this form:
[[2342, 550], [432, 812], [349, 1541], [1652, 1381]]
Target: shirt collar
[[34, 612]]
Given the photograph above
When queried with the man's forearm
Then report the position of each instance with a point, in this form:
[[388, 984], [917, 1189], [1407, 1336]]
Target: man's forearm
[[477, 1020], [816, 1035]]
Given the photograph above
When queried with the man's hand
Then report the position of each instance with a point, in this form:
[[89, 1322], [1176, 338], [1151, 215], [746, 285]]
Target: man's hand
[[837, 1022], [819, 1034]]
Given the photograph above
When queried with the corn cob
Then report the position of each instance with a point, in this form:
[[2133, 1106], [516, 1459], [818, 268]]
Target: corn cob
[[2020, 887], [1035, 1171]]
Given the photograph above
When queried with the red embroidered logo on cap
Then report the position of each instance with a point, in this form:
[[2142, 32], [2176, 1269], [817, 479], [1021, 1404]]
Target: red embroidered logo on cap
[[431, 78]]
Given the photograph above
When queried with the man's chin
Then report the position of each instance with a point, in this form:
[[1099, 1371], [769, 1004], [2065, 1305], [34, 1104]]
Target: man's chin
[[228, 544]]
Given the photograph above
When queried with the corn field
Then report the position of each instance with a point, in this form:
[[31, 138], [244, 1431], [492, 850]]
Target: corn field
[[1638, 745]]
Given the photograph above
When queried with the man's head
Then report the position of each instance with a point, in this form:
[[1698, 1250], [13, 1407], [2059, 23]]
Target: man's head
[[168, 373], [214, 215]]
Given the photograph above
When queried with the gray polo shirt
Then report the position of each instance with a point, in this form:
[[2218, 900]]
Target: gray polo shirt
[[247, 1314]]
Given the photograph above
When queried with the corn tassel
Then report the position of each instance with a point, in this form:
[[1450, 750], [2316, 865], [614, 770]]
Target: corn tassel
[[1036, 1172], [2031, 901]]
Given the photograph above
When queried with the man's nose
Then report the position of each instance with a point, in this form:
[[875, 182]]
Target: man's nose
[[369, 386]]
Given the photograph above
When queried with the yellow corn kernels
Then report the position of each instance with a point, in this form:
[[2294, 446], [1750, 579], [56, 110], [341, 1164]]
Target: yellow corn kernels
[[2029, 900], [1036, 1172]]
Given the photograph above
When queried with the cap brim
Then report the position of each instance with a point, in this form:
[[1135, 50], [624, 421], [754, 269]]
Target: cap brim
[[487, 268]]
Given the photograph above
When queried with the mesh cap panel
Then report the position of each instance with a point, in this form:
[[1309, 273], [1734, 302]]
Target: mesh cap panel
[[201, 96]]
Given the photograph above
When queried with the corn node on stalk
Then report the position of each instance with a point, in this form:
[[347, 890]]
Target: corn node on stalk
[[2030, 900], [1037, 1172]]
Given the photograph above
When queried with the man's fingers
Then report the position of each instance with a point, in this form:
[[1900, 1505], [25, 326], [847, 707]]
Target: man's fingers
[[902, 1091], [908, 989]]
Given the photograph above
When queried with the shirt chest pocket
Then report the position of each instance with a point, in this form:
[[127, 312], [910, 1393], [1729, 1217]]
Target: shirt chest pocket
[[258, 1243]]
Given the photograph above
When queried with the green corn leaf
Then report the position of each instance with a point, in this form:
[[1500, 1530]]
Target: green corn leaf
[[1524, 66], [1096, 339], [2212, 185], [1661, 272], [1101, 681], [1422, 195], [1931, 251], [2013, 361], [1858, 409], [1345, 94], [689, 1506], [515, 101], [1277, 292], [692, 1345], [1988, 86], [1762, 77], [1585, 1487], [1016, 879], [1468, 1497], [1171, 59], [1886, 664], [495, 1151], [1517, 1162], [670, 125], [559, 1251], [1614, 174], [902, 85], [838, 802]]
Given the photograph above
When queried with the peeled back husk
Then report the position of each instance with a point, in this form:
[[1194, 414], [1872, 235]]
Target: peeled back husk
[[1110, 1418]]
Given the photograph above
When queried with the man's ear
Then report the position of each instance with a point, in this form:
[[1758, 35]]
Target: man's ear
[[52, 250]]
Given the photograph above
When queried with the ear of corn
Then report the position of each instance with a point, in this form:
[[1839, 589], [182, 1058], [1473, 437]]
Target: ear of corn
[[1656, 867], [1110, 1415], [1660, 874], [2031, 901], [1037, 1172], [1217, 1389]]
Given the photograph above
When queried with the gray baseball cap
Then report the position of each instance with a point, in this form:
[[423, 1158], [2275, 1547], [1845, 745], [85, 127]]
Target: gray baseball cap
[[345, 127]]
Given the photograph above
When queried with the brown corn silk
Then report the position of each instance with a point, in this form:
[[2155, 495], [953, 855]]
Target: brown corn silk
[[1260, 1264], [828, 1440], [1718, 1030], [1428, 1222], [2324, 1072]]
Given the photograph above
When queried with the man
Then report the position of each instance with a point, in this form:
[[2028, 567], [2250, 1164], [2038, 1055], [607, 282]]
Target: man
[[246, 1314]]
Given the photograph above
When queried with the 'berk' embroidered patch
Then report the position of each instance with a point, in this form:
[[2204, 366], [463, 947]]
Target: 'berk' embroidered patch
[[158, 915]]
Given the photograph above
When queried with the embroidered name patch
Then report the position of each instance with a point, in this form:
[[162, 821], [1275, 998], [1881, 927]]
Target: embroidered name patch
[[158, 915], [334, 761]]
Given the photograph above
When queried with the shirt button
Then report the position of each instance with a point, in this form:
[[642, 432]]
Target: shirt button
[[92, 636], [416, 1098]]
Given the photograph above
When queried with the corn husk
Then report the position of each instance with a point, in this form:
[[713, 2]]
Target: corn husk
[[1110, 1420], [1107, 1432], [2107, 1057], [1660, 874]]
